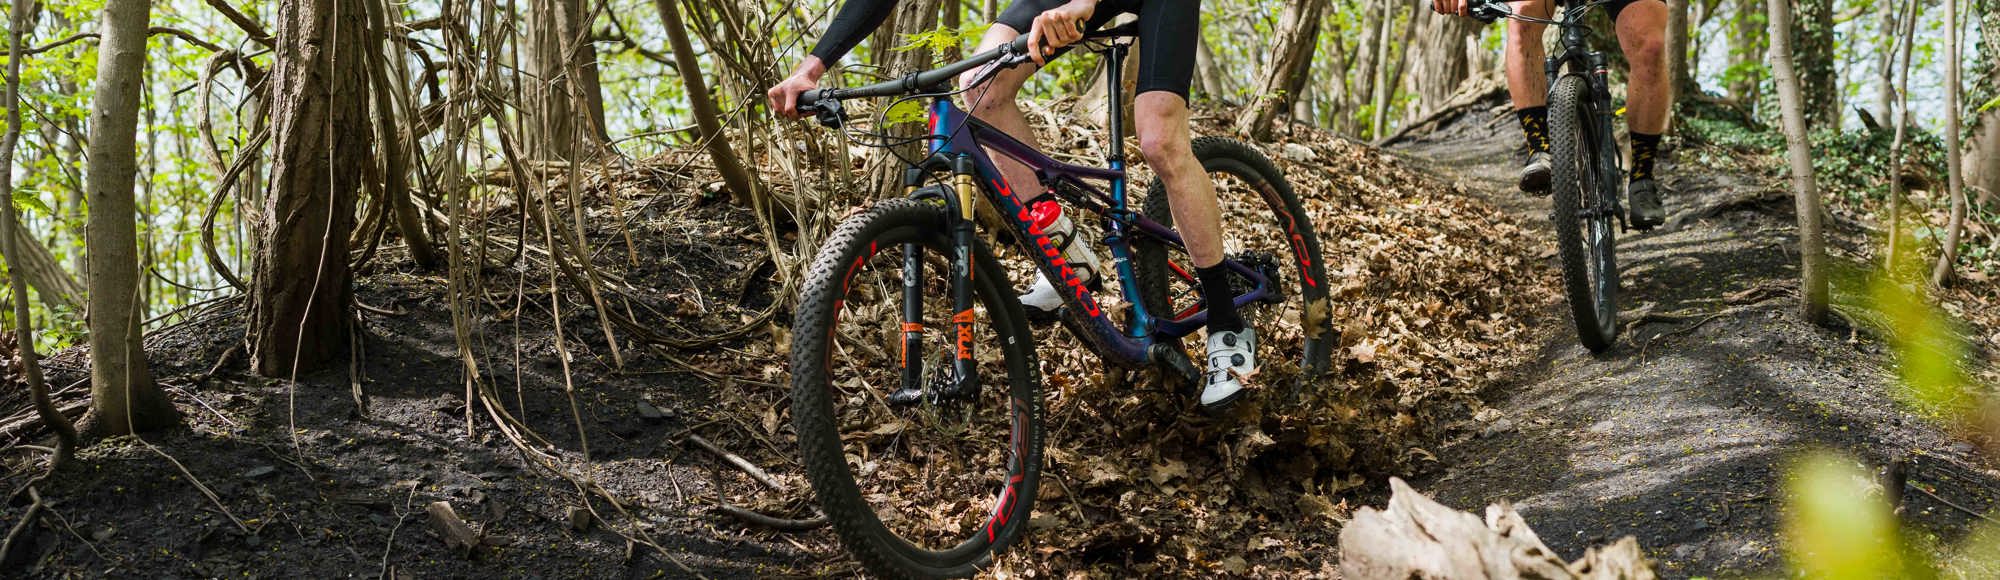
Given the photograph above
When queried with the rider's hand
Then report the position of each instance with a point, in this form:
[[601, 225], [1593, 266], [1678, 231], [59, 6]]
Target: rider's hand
[[1459, 7], [784, 97], [1058, 27]]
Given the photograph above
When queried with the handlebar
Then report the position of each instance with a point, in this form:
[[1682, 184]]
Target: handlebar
[[825, 103]]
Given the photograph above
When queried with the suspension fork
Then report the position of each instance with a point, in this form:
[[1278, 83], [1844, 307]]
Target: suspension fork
[[967, 370]]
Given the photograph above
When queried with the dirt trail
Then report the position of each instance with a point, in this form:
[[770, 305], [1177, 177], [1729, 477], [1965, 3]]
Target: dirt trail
[[1680, 435]]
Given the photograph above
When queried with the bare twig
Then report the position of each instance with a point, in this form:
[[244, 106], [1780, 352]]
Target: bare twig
[[744, 465], [780, 524]]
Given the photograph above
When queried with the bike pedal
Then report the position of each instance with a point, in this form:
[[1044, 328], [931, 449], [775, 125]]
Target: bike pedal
[[1039, 317], [1175, 367]]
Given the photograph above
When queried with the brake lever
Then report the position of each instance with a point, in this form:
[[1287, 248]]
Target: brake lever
[[829, 114], [1490, 12]]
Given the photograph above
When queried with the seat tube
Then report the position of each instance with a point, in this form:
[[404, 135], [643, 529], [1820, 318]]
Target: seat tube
[[961, 275]]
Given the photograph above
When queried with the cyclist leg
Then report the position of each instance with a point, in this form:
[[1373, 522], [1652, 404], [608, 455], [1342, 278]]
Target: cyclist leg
[[1528, 86], [1642, 31], [996, 102], [1160, 113]]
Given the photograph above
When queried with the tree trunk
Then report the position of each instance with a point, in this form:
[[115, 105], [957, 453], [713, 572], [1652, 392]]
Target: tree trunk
[[1368, 49], [565, 105], [1387, 74], [1953, 149], [1902, 124], [1298, 36], [1985, 174], [1885, 59], [1680, 81], [708, 122], [1818, 83], [1208, 73], [1805, 188], [885, 169], [29, 261], [395, 169], [1747, 44], [1437, 59], [124, 398], [21, 19], [301, 289]]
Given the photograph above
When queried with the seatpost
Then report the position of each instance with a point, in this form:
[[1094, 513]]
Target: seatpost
[[1114, 77]]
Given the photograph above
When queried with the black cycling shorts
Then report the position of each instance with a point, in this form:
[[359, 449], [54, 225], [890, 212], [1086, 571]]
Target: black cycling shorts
[[1617, 6], [1168, 31]]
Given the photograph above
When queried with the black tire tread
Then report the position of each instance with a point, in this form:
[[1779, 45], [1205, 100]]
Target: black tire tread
[[1566, 113], [853, 520]]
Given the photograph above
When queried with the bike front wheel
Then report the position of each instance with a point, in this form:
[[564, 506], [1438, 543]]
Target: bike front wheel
[[1584, 215], [931, 486]]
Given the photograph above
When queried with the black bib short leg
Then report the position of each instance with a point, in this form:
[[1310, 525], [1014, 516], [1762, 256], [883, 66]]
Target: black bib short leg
[[1168, 31]]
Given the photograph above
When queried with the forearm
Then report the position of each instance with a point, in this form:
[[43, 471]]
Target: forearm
[[856, 19]]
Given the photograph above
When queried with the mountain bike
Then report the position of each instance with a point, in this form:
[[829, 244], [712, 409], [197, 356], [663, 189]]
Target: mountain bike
[[1585, 185], [916, 389]]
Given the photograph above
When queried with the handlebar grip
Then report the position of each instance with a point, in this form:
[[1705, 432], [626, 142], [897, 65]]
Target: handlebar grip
[[1019, 45], [808, 98]]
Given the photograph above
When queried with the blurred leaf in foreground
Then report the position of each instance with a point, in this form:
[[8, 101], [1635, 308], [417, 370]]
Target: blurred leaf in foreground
[[1835, 528]]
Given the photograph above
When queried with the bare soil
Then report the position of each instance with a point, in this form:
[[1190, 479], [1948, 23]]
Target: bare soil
[[1681, 434]]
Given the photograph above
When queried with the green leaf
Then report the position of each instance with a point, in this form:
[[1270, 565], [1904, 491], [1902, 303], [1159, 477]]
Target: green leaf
[[905, 112], [24, 200], [1990, 105]]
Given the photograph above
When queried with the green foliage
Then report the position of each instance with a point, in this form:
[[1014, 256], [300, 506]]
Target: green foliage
[[25, 199], [904, 112], [943, 39], [1855, 164], [1836, 529]]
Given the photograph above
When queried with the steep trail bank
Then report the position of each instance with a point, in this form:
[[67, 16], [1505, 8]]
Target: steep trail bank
[[1682, 433]]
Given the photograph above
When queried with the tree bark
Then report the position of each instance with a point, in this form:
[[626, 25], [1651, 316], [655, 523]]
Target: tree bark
[[1747, 43], [885, 168], [21, 20], [1386, 74], [395, 169], [1208, 73], [1818, 83], [302, 287], [708, 124], [1885, 59], [1438, 59], [1805, 188], [1902, 124], [565, 104], [1680, 81], [1953, 150], [1985, 173], [32, 263], [124, 398], [1298, 36], [1368, 49]]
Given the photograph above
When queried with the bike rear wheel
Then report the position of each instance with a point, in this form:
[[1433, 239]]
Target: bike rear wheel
[[1264, 226], [1584, 218], [933, 487]]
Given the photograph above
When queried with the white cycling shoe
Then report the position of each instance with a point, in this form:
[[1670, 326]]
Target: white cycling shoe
[[1042, 296], [1232, 359]]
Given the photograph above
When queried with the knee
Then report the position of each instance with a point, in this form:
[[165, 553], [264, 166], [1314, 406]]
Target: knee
[[996, 94], [1649, 55], [1164, 150]]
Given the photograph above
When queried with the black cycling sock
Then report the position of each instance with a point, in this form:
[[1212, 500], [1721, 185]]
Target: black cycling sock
[[1222, 315], [1644, 148], [1535, 126]]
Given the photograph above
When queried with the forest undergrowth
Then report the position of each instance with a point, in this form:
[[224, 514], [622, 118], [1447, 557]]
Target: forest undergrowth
[[1435, 291]]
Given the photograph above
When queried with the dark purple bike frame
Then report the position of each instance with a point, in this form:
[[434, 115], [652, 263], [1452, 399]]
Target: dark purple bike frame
[[958, 136]]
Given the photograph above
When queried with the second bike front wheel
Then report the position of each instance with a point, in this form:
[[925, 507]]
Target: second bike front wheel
[[915, 487], [1586, 236]]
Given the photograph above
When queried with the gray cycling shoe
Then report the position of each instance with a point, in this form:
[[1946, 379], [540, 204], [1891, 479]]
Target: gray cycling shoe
[[1535, 175], [1647, 211], [1232, 359]]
